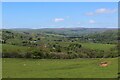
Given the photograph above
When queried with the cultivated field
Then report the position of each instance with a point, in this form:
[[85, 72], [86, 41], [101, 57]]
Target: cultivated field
[[59, 68]]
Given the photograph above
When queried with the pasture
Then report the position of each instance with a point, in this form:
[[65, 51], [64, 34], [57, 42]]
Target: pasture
[[59, 68], [98, 46], [94, 46]]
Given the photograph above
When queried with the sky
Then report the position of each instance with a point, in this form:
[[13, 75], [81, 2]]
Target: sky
[[60, 0], [59, 14]]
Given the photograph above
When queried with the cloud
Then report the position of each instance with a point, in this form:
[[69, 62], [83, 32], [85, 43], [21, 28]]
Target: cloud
[[58, 19], [105, 10], [101, 11], [91, 21]]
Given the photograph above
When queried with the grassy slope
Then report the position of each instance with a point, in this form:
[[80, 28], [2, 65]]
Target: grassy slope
[[74, 68], [13, 48], [95, 46], [98, 46]]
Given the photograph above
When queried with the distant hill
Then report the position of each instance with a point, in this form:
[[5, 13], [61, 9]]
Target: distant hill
[[104, 35], [65, 31]]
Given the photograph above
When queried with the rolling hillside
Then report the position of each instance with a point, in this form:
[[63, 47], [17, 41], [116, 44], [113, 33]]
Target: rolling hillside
[[53, 43]]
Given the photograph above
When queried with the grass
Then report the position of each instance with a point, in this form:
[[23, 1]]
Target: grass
[[56, 68], [13, 47], [0, 61], [0, 68], [95, 46], [98, 46]]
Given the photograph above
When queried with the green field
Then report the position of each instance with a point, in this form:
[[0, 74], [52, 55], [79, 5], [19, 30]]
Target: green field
[[98, 46], [59, 68], [94, 46]]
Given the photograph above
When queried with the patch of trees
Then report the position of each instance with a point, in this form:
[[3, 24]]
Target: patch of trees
[[59, 52]]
